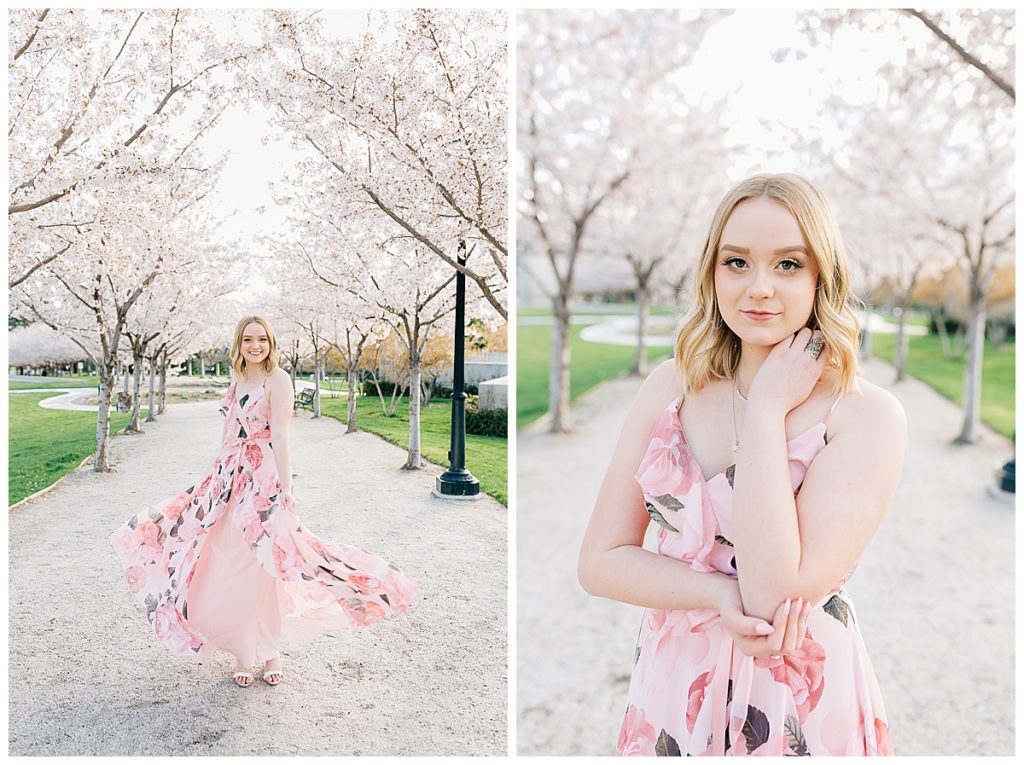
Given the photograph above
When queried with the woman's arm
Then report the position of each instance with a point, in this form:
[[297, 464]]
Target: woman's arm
[[612, 562], [279, 388], [802, 546]]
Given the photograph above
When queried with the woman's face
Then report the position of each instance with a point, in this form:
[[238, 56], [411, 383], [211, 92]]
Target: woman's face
[[765, 275], [255, 343]]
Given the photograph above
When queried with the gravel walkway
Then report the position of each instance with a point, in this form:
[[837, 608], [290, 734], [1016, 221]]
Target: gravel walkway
[[934, 590], [88, 676]]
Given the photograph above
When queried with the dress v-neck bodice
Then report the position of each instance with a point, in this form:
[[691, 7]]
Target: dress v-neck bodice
[[250, 412], [694, 512]]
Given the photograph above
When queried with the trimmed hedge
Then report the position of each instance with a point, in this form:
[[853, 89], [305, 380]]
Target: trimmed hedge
[[441, 391], [489, 422], [386, 388]]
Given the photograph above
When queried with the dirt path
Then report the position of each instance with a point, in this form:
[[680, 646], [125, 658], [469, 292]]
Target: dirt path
[[88, 677], [934, 590]]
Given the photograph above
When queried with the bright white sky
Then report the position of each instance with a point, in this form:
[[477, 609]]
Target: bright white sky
[[252, 165], [736, 57]]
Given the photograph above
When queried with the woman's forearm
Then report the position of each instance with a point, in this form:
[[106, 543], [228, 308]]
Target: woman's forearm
[[637, 576], [765, 529]]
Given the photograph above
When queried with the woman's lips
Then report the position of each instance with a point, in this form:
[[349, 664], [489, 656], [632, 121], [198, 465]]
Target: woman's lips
[[759, 315]]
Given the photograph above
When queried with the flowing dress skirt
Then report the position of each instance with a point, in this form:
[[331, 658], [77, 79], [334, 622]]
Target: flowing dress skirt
[[228, 564]]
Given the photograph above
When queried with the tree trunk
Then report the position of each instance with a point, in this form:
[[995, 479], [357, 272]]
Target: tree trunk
[[396, 396], [133, 426], [351, 424], [940, 327], [380, 393], [972, 373], [414, 462], [642, 312], [124, 372], [901, 343], [558, 383], [316, 384], [151, 402], [163, 383], [958, 342], [106, 376]]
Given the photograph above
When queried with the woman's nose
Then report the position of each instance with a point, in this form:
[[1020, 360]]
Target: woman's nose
[[760, 285]]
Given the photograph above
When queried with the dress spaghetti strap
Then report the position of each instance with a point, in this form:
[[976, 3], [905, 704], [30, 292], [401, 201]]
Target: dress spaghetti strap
[[828, 416]]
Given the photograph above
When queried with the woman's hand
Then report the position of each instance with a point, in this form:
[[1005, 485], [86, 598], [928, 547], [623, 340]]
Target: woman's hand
[[755, 637], [788, 375]]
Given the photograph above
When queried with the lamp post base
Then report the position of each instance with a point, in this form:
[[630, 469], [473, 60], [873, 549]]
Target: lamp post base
[[457, 484]]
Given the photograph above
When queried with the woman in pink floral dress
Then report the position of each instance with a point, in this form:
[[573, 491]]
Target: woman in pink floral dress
[[767, 465], [226, 563]]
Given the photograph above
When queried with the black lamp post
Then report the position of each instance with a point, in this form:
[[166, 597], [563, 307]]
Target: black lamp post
[[457, 481]]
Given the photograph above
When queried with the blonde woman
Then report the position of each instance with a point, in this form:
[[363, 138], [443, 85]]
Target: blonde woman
[[226, 563], [767, 465]]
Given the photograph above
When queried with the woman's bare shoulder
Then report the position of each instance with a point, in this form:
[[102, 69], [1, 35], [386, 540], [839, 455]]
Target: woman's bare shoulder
[[659, 389], [279, 380], [872, 412]]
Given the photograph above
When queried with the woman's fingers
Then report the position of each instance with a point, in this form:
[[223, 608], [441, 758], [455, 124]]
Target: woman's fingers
[[792, 622], [801, 629], [775, 640]]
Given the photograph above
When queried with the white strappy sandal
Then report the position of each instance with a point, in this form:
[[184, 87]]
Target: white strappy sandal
[[243, 676], [278, 672]]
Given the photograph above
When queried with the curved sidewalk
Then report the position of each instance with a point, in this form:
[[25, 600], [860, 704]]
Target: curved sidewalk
[[934, 590], [88, 676]]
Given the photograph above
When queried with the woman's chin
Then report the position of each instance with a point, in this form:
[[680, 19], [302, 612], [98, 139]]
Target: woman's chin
[[767, 338]]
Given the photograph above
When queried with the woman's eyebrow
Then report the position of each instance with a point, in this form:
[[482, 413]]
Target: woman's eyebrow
[[780, 251]]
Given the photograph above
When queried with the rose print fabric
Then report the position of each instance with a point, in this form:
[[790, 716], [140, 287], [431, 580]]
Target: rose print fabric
[[228, 564], [692, 692]]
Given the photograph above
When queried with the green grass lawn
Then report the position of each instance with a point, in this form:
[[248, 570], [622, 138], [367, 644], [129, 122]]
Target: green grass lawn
[[591, 363], [926, 362], [486, 456], [71, 382], [601, 309], [44, 444]]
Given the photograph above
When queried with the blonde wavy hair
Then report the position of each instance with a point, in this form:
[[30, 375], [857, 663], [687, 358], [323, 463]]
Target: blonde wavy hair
[[237, 362], [707, 350]]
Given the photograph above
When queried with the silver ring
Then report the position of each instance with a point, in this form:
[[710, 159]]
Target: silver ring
[[775, 656], [814, 346]]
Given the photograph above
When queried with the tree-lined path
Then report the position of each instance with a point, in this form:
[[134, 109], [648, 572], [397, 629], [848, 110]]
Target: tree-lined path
[[934, 591], [88, 676]]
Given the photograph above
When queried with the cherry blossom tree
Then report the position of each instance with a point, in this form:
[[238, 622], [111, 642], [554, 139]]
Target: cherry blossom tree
[[588, 83], [412, 117], [350, 326], [937, 144], [415, 296], [657, 221], [94, 96], [107, 118], [89, 294], [36, 345]]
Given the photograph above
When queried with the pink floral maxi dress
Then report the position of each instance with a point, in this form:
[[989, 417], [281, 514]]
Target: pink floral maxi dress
[[227, 564], [692, 691]]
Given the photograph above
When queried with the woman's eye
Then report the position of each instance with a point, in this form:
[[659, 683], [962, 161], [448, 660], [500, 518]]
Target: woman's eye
[[735, 262], [789, 265]]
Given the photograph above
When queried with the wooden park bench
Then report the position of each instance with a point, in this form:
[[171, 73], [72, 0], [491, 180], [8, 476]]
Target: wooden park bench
[[304, 399]]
